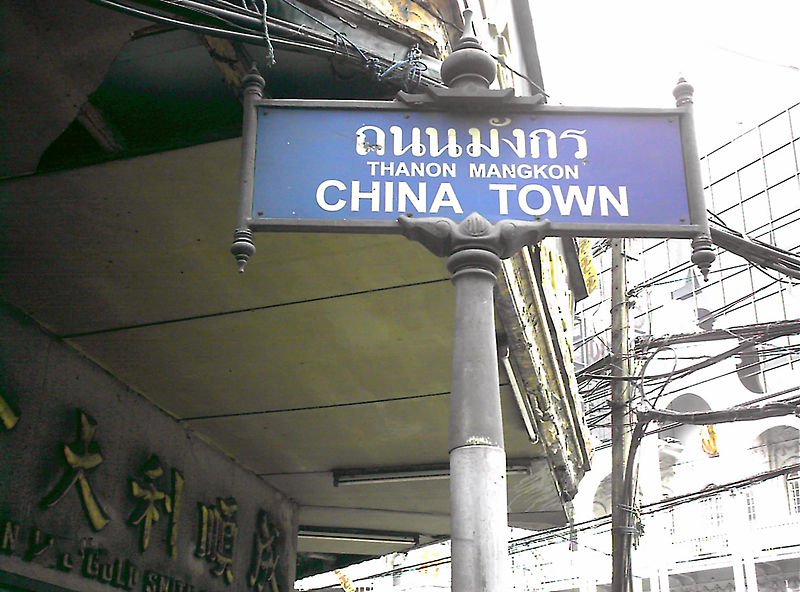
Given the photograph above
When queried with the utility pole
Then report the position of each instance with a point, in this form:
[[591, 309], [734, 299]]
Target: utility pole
[[620, 412]]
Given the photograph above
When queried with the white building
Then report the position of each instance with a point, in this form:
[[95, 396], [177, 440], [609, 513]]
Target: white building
[[734, 535]]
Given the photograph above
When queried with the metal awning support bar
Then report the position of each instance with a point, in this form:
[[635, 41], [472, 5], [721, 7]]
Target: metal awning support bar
[[431, 472]]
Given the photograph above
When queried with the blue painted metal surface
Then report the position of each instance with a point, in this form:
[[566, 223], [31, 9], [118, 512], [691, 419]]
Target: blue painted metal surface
[[342, 165]]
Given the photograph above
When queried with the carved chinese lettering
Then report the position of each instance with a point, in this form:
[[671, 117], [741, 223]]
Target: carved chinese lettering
[[146, 513], [265, 556], [156, 501], [81, 456], [177, 506], [38, 543], [8, 417], [218, 530], [64, 562], [114, 571], [10, 535]]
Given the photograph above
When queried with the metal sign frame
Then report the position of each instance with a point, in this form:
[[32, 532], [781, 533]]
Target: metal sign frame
[[694, 193]]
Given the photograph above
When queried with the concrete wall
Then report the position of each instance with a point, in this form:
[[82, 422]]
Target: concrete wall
[[44, 385]]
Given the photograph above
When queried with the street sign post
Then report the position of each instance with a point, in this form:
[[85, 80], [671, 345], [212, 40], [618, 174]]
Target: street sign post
[[339, 166], [474, 175]]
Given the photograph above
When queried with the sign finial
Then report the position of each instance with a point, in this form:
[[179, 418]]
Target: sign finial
[[683, 93], [468, 66]]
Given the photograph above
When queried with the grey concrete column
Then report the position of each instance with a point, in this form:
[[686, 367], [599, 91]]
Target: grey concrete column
[[479, 521]]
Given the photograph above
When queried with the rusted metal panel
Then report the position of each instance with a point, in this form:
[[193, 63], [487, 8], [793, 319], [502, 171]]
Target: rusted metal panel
[[532, 347], [230, 58], [424, 20]]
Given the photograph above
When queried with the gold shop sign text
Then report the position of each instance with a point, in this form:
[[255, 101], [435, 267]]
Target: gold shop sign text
[[158, 504]]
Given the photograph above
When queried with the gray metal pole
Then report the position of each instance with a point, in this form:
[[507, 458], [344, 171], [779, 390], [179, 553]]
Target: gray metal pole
[[620, 412], [474, 247], [478, 504], [478, 498]]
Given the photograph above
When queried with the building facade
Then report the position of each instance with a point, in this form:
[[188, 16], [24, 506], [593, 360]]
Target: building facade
[[719, 504]]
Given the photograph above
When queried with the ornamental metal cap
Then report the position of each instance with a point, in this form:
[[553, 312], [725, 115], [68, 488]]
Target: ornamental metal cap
[[683, 92], [468, 64], [243, 247], [468, 39], [703, 254], [253, 78]]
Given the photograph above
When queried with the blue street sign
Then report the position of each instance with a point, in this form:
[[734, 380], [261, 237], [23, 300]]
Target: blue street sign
[[344, 165]]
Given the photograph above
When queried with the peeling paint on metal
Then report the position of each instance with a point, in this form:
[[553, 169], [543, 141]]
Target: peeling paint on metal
[[479, 441]]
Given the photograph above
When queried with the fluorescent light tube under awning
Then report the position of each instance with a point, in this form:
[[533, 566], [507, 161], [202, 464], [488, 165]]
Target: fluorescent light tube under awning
[[418, 473]]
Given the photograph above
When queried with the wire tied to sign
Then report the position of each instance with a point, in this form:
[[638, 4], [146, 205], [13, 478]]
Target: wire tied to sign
[[340, 39], [270, 50], [408, 71], [634, 525]]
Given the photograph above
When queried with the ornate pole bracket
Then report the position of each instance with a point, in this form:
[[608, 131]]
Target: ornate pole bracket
[[443, 236]]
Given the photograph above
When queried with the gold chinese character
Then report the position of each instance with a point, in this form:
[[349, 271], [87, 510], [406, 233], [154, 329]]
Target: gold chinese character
[[708, 441], [82, 456], [9, 537], [146, 512], [8, 417], [265, 556], [218, 536]]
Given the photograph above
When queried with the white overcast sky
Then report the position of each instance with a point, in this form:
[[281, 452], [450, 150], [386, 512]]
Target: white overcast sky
[[743, 58]]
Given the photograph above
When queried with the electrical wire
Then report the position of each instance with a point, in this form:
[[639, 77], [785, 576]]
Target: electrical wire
[[622, 565], [599, 391], [747, 334], [766, 259], [502, 63], [688, 464], [594, 421], [672, 425], [268, 42], [757, 252], [738, 369], [226, 20]]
